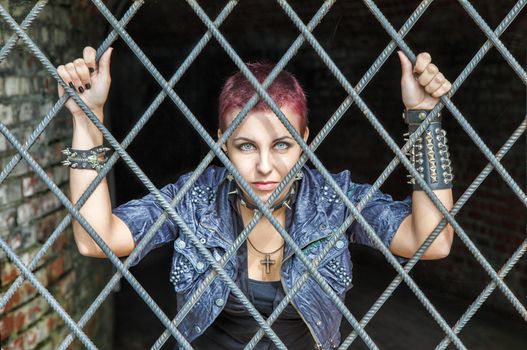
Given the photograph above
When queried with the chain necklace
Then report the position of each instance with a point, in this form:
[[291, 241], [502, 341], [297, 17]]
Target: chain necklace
[[267, 261]]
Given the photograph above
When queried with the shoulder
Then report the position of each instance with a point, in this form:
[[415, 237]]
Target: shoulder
[[317, 188], [317, 183], [315, 178], [203, 186], [343, 178]]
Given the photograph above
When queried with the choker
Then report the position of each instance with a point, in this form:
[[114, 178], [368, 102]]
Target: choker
[[286, 201]]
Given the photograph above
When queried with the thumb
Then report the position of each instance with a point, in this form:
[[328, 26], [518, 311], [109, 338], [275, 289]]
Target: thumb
[[406, 66], [104, 62]]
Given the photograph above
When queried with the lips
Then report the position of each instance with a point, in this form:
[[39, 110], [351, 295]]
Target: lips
[[265, 185]]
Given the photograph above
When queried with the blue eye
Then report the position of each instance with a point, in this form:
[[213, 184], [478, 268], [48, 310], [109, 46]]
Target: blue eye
[[246, 147], [282, 145]]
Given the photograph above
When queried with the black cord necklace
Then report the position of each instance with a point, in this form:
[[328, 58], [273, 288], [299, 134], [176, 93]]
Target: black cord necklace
[[267, 261]]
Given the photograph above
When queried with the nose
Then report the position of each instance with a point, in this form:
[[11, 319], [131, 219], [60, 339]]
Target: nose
[[264, 165]]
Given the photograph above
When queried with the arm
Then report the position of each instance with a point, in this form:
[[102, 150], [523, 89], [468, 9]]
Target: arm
[[97, 210], [422, 86], [417, 226]]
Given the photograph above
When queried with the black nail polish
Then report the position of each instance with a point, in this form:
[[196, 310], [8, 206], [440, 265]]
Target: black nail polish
[[81, 89], [71, 85], [91, 69], [88, 86]]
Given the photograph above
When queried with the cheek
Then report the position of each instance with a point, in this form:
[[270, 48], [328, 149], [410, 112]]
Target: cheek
[[244, 165], [284, 162]]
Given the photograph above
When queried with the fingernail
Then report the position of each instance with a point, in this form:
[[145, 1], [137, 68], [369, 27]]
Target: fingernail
[[88, 86], [71, 85], [81, 89], [91, 69]]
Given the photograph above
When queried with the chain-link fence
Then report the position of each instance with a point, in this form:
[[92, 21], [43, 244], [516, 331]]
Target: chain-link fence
[[216, 266]]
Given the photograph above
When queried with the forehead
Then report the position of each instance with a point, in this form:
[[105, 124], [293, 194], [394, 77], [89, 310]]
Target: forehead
[[265, 123]]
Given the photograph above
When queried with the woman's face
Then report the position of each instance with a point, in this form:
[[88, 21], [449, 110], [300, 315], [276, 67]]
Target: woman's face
[[263, 150]]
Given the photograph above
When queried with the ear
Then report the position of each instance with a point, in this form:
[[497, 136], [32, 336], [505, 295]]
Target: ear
[[306, 134], [223, 147]]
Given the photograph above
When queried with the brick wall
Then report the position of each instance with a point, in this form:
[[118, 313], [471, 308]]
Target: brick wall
[[29, 212]]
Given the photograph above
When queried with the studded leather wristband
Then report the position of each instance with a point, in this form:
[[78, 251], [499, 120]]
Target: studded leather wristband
[[93, 158], [429, 154]]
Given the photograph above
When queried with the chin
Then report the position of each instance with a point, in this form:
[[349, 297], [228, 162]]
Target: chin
[[265, 195], [264, 198]]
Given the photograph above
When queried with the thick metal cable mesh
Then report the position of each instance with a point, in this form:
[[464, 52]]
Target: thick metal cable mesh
[[216, 271]]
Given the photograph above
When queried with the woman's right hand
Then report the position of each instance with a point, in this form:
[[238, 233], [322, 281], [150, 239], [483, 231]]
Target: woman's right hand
[[91, 80]]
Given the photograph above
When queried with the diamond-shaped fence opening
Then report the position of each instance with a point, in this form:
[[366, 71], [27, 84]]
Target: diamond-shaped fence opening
[[213, 265]]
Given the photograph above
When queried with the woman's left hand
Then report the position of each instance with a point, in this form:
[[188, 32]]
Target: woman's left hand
[[423, 84]]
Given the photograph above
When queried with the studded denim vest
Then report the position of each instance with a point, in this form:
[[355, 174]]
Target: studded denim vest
[[317, 213]]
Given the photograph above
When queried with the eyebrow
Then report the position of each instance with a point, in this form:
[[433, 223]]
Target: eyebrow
[[249, 140]]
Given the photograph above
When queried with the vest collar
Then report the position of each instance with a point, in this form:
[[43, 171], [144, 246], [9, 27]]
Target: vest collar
[[309, 222]]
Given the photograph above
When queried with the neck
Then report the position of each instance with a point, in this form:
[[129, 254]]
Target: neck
[[248, 213]]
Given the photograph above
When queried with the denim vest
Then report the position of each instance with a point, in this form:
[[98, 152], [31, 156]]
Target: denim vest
[[318, 212]]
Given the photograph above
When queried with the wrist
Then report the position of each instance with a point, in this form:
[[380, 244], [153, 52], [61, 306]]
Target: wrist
[[80, 118], [427, 105], [429, 154], [93, 158], [98, 111], [86, 135], [414, 118]]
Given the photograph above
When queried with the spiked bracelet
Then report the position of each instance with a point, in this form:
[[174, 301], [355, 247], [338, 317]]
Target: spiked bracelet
[[429, 154], [94, 158]]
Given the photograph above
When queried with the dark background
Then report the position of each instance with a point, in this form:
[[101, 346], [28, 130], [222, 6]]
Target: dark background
[[492, 100]]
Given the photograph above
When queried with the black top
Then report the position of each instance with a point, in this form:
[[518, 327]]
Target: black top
[[235, 327]]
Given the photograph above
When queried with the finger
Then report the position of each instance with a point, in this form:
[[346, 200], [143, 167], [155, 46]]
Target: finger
[[104, 62], [436, 83], [422, 60], [442, 90], [70, 67], [406, 65], [63, 73], [89, 54], [428, 74], [83, 72]]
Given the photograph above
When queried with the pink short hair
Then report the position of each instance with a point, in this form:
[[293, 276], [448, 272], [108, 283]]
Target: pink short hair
[[285, 91]]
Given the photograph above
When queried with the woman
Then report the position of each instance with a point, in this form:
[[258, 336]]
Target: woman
[[217, 209]]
